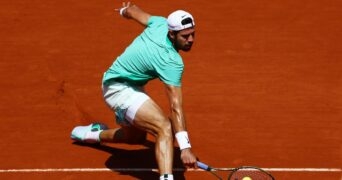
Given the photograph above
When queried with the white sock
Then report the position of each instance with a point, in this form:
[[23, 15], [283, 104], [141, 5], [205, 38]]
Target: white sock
[[92, 136], [166, 177]]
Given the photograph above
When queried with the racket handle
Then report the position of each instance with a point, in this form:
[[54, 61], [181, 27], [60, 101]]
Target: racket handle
[[203, 166]]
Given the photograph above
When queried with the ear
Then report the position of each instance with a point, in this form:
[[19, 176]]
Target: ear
[[172, 35]]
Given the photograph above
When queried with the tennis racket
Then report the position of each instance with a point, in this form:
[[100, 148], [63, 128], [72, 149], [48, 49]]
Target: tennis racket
[[239, 173]]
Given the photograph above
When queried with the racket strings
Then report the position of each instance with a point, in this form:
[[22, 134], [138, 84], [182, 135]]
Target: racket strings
[[250, 174]]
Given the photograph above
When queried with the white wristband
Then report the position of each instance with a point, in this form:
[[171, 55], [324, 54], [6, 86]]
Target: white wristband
[[183, 140], [122, 10]]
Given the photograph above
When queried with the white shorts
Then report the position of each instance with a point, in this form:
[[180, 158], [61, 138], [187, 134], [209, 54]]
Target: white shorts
[[125, 100]]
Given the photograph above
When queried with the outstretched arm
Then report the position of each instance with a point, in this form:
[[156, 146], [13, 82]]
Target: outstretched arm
[[131, 11], [179, 126]]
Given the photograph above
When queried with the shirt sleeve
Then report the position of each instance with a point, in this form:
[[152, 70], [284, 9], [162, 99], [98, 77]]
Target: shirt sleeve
[[172, 75]]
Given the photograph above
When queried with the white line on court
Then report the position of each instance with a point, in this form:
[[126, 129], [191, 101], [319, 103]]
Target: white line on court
[[156, 170]]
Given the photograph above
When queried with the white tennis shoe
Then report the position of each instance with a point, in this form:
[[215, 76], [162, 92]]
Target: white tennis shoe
[[88, 134]]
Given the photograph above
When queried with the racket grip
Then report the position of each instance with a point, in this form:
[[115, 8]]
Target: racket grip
[[203, 166]]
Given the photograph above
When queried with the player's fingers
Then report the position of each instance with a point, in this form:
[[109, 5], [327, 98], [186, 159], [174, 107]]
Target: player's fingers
[[192, 165], [195, 164], [189, 163], [123, 5], [126, 4]]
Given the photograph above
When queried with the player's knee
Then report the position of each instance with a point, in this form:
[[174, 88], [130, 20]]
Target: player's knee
[[165, 128]]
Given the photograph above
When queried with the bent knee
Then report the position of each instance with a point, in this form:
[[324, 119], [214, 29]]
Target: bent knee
[[164, 128]]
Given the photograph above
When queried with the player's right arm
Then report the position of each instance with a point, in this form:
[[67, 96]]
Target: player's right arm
[[174, 94], [131, 11]]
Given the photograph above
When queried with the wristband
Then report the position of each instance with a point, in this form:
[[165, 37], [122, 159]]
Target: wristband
[[183, 140], [122, 10]]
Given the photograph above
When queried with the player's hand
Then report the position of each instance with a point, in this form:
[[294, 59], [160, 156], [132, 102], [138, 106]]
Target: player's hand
[[123, 8], [188, 158]]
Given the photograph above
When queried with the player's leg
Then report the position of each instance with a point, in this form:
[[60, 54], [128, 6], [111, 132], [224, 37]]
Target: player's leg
[[124, 134], [120, 97], [151, 118], [146, 116], [132, 106], [98, 132], [143, 113]]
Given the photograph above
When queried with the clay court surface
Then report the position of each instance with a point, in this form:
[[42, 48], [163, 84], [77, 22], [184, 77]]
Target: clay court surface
[[262, 86]]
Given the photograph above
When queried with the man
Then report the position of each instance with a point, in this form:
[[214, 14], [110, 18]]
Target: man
[[153, 54]]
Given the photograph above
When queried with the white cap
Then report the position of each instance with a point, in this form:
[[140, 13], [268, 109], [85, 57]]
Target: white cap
[[180, 20]]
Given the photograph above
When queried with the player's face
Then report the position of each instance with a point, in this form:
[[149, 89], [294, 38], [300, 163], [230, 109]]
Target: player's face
[[185, 39]]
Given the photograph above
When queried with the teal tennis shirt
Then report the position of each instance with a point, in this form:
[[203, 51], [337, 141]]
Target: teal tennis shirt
[[151, 55]]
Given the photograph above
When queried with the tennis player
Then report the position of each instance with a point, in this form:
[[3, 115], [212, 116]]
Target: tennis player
[[153, 54]]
